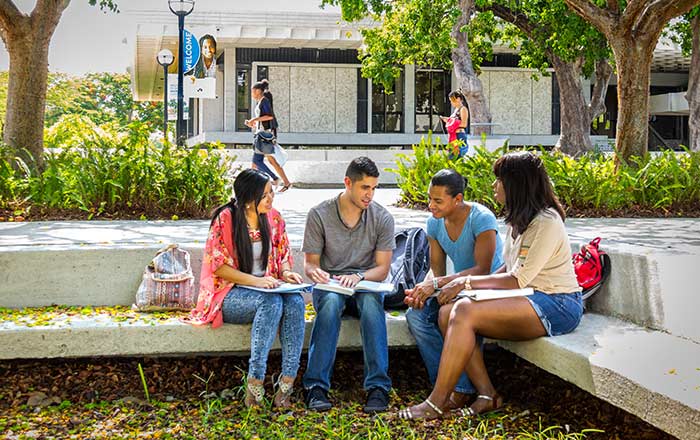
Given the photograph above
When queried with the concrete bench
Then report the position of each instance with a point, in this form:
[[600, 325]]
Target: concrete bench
[[639, 348]]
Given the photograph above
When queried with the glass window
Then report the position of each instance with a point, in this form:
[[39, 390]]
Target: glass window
[[432, 88], [387, 109], [242, 97]]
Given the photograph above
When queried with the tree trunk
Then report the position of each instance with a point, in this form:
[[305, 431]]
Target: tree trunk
[[467, 79], [693, 93], [633, 59], [575, 137], [27, 39], [26, 98]]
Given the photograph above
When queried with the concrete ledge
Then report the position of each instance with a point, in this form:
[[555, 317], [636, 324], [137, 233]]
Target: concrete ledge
[[651, 374], [105, 335]]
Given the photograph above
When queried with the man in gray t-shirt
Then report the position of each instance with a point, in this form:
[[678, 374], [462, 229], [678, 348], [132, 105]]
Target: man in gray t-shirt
[[349, 238]]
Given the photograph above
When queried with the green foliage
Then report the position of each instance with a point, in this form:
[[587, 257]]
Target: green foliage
[[108, 170], [592, 183], [102, 97], [680, 31]]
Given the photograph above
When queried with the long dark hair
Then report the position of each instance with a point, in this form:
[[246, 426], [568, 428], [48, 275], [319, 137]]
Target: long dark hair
[[249, 188], [528, 188]]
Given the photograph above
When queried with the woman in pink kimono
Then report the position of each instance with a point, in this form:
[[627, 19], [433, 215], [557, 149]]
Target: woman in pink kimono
[[248, 246]]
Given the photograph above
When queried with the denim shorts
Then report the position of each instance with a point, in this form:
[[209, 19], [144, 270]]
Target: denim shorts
[[560, 313]]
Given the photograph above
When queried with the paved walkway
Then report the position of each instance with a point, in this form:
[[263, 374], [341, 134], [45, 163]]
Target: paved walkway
[[660, 236]]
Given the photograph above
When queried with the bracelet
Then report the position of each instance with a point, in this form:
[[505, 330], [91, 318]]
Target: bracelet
[[468, 283], [435, 284]]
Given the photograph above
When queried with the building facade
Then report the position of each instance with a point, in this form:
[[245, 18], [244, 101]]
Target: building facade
[[309, 57]]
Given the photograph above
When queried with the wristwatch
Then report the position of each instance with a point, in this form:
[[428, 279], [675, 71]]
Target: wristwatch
[[361, 275], [435, 284]]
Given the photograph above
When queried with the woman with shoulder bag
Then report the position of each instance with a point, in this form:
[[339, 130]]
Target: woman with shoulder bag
[[265, 126], [248, 246]]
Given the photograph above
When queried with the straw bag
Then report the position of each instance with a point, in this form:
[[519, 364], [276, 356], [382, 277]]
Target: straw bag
[[168, 283]]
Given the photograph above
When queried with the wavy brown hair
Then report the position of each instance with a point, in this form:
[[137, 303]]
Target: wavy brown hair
[[528, 188]]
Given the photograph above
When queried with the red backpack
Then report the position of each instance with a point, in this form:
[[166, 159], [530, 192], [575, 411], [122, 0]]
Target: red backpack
[[592, 267]]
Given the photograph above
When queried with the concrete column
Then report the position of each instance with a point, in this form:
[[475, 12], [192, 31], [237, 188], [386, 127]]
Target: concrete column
[[229, 94], [409, 98], [369, 105]]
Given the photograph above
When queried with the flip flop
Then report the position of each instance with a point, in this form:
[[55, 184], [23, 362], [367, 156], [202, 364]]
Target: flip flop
[[285, 187], [407, 414]]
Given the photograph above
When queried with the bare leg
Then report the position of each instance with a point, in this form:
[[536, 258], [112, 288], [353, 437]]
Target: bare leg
[[278, 168], [509, 318]]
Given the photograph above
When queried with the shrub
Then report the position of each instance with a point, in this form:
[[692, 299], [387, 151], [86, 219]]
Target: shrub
[[593, 184], [101, 170]]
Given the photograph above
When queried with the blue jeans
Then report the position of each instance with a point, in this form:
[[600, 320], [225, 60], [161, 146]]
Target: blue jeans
[[423, 324], [268, 312], [259, 162], [560, 313], [324, 339]]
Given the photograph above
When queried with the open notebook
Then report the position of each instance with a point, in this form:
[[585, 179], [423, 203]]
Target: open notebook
[[486, 294], [283, 288], [362, 286]]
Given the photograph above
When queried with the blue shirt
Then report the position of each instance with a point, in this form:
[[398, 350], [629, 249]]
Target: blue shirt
[[461, 252]]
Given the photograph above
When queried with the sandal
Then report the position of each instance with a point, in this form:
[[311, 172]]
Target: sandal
[[285, 187], [407, 414], [496, 403], [283, 396], [254, 395]]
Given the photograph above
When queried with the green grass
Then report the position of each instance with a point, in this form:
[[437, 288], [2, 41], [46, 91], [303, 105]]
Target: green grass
[[225, 418]]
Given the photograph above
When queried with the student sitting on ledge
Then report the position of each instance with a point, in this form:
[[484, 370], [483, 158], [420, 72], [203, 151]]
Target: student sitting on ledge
[[248, 246], [467, 233], [537, 255], [349, 238]]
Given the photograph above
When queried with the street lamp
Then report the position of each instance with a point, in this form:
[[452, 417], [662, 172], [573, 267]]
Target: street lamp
[[181, 8], [165, 58]]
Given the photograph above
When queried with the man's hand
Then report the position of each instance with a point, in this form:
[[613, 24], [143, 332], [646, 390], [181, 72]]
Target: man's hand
[[417, 296], [450, 290], [348, 280], [319, 275]]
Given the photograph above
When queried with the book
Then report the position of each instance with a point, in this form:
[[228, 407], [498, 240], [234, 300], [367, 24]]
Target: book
[[282, 288], [486, 294], [362, 286]]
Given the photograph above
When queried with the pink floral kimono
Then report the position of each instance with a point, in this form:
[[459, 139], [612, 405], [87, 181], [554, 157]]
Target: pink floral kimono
[[221, 250]]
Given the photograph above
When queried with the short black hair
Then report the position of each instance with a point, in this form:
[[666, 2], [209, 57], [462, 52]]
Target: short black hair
[[450, 179], [361, 167]]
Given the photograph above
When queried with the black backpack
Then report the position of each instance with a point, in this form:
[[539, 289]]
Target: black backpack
[[410, 263]]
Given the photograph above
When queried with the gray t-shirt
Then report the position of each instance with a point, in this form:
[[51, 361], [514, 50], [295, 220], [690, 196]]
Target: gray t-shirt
[[344, 250]]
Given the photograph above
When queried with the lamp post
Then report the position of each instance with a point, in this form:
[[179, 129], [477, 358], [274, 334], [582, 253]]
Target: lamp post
[[181, 8], [165, 58]]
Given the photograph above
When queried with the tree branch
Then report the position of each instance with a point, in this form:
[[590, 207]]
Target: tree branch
[[601, 18], [10, 18], [603, 72], [516, 18], [658, 13], [614, 6]]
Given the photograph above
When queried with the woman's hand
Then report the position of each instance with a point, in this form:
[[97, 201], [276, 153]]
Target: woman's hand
[[249, 123], [450, 290], [417, 296], [266, 282], [292, 277]]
